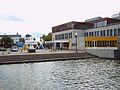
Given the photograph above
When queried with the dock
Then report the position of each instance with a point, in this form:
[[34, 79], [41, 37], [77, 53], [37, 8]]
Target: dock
[[42, 56]]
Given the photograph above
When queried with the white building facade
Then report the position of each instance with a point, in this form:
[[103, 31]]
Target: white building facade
[[63, 36]]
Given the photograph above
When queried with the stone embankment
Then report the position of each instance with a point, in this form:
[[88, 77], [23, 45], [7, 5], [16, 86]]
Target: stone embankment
[[44, 56]]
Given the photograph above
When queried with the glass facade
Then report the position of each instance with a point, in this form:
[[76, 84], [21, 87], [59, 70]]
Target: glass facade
[[63, 36]]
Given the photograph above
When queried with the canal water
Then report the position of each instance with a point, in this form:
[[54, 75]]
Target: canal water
[[83, 74]]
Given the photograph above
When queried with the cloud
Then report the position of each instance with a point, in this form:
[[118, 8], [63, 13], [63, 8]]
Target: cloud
[[10, 18]]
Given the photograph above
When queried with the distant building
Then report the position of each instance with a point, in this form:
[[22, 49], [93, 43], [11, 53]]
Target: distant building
[[117, 16], [15, 38], [31, 41]]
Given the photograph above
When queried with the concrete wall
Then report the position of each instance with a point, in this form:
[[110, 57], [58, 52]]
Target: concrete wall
[[101, 53], [80, 43], [117, 54]]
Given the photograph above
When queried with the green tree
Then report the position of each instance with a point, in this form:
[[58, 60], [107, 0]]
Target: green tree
[[47, 37], [6, 40]]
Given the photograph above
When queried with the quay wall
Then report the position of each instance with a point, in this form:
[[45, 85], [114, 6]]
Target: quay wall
[[104, 53]]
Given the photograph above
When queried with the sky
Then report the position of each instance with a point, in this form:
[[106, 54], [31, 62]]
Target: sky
[[37, 17]]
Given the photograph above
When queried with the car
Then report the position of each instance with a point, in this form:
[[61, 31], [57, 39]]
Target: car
[[14, 49], [2, 49]]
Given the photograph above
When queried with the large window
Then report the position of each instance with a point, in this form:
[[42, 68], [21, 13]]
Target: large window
[[111, 43]]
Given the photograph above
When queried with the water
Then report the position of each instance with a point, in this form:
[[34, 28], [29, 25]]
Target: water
[[85, 74]]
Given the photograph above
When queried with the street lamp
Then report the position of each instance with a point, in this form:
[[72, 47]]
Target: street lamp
[[76, 41], [53, 44], [3, 44]]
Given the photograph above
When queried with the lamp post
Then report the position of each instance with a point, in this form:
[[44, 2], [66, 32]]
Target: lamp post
[[53, 44], [76, 41], [3, 44]]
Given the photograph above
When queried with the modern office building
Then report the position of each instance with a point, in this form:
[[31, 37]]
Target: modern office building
[[98, 36], [104, 39]]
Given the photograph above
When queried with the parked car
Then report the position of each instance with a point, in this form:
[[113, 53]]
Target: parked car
[[2, 49], [14, 49]]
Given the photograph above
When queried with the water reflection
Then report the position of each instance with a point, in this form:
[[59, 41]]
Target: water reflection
[[85, 74]]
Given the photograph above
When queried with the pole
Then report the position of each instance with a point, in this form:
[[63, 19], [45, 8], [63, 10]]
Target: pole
[[53, 44], [76, 43]]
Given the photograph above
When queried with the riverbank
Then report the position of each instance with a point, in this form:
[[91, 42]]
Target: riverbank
[[41, 56]]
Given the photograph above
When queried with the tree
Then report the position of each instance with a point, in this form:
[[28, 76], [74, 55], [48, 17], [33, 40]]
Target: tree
[[50, 36], [6, 40], [47, 37]]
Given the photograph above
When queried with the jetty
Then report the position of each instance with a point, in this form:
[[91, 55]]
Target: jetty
[[42, 56]]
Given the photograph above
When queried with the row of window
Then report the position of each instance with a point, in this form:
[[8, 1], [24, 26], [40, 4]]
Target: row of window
[[100, 24], [63, 36], [73, 44], [111, 32], [111, 43]]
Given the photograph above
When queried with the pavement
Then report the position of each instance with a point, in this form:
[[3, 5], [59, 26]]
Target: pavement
[[38, 51]]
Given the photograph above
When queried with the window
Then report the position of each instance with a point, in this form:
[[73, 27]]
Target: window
[[92, 33], [115, 43], [104, 33], [99, 24], [85, 34], [97, 33], [111, 32], [95, 43], [90, 43], [118, 31], [70, 35], [86, 44], [66, 35], [111, 43], [98, 43], [100, 33], [89, 33], [55, 37], [62, 36], [59, 36], [107, 43], [115, 32], [108, 32]]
